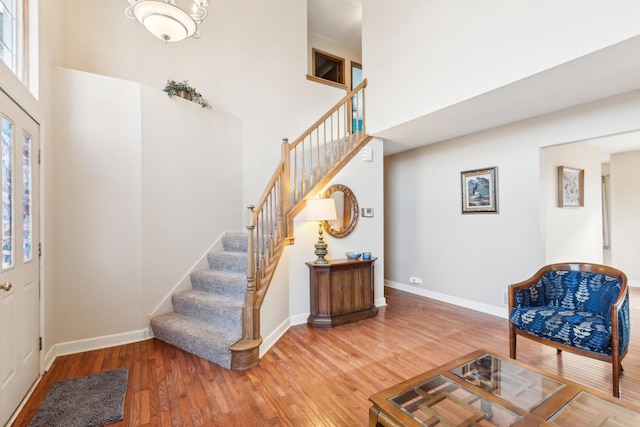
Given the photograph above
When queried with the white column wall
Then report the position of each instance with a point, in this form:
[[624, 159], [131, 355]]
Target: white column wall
[[96, 208], [50, 52], [625, 213], [575, 233]]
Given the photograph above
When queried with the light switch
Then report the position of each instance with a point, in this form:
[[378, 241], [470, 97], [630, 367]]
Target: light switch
[[367, 154]]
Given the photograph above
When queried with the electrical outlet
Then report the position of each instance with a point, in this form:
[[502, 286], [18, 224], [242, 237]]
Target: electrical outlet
[[415, 280], [505, 298]]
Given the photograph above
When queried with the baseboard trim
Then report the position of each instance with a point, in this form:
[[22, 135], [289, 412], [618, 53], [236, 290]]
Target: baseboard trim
[[71, 347], [633, 283], [380, 302], [449, 299], [298, 319], [274, 336], [49, 358]]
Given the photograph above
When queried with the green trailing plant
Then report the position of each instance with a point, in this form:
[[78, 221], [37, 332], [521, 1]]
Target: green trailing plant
[[183, 90]]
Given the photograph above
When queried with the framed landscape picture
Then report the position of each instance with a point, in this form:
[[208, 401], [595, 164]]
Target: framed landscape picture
[[570, 187], [480, 190]]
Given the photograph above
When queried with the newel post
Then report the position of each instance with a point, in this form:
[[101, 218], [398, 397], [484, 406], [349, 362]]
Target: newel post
[[285, 189], [250, 295]]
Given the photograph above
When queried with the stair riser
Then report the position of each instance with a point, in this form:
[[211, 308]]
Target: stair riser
[[230, 317], [234, 288], [227, 262], [235, 243], [206, 349]]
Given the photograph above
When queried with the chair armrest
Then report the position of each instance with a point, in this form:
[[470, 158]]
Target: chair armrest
[[526, 284], [620, 321]]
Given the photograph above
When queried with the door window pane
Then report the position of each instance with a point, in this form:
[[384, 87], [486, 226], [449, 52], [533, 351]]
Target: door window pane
[[7, 193], [27, 242], [7, 33], [356, 101]]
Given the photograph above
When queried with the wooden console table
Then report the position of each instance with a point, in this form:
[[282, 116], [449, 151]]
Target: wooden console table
[[341, 292], [482, 389]]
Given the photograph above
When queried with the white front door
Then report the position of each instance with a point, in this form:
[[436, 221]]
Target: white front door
[[19, 260]]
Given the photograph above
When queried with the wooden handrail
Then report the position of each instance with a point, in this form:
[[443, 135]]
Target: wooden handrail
[[307, 165]]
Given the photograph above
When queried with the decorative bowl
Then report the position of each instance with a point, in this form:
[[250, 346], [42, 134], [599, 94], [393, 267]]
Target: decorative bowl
[[353, 255]]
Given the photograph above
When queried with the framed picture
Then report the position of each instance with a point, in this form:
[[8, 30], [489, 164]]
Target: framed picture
[[570, 187], [480, 190]]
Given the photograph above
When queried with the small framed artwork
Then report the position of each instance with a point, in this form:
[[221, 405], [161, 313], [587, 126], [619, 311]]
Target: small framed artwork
[[480, 190], [367, 212], [570, 187]]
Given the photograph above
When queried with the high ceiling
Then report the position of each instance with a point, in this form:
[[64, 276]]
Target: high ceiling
[[339, 20]]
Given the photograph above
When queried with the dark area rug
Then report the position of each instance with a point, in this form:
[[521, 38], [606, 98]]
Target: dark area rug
[[94, 400]]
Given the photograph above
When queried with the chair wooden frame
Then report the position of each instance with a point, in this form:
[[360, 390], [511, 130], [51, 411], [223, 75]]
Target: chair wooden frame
[[616, 358]]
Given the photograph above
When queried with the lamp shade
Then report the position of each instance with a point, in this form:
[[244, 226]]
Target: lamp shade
[[320, 210], [164, 20], [167, 21]]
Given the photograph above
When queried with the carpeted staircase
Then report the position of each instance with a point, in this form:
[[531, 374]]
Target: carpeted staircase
[[207, 319]]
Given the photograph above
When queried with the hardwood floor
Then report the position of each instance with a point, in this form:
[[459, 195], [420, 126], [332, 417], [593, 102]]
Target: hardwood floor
[[321, 377]]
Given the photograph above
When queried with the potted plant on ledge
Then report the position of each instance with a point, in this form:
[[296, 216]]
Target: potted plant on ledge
[[183, 90]]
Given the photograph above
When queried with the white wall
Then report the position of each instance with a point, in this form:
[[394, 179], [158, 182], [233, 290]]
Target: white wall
[[573, 233], [191, 190], [144, 184], [251, 62], [474, 257], [625, 213], [447, 52], [365, 179]]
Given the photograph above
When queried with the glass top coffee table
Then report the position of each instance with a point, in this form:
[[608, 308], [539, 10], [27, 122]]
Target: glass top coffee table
[[482, 389]]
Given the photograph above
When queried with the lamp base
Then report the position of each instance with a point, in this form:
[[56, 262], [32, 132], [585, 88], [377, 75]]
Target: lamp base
[[321, 247], [321, 251]]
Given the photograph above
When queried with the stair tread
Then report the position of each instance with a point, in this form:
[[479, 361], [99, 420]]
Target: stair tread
[[226, 274], [236, 254], [210, 299]]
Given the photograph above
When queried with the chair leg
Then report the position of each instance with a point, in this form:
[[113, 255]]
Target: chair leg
[[617, 367], [558, 351], [512, 341]]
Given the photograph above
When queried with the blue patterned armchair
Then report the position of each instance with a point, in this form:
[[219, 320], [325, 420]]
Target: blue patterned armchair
[[576, 307]]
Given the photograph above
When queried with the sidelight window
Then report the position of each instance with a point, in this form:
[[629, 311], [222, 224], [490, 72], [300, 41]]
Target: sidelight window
[[7, 193]]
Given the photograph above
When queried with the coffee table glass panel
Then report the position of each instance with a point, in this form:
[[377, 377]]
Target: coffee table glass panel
[[517, 385], [440, 401], [480, 389], [588, 410]]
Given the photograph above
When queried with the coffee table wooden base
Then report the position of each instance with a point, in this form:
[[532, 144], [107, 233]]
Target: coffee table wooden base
[[482, 389]]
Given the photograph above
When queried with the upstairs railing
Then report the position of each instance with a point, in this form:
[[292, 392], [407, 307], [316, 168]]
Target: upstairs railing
[[308, 164]]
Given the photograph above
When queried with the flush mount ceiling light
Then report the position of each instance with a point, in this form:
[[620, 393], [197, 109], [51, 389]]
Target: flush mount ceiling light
[[167, 21]]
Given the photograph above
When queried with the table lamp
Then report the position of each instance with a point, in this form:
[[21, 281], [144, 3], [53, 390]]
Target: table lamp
[[320, 210]]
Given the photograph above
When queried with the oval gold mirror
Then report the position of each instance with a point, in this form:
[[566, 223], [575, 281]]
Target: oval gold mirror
[[346, 211]]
